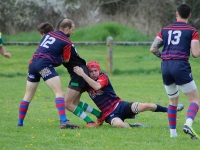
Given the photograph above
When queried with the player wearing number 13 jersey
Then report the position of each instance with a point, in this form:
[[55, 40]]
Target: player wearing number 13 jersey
[[53, 50], [179, 40]]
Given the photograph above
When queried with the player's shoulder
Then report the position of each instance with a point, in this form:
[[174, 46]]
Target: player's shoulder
[[191, 27], [60, 35], [103, 75]]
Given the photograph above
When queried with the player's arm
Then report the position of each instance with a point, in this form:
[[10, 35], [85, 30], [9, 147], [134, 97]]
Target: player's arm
[[95, 85], [4, 53], [66, 60], [195, 45], [195, 48], [67, 53], [157, 43]]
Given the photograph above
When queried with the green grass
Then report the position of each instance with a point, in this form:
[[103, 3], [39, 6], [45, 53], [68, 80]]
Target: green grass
[[95, 33], [32, 36], [136, 77], [101, 31]]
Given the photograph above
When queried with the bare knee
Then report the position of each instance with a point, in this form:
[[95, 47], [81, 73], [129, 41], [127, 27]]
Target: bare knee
[[69, 105], [117, 122]]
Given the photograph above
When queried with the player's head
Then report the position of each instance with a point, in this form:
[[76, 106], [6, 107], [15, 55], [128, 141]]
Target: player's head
[[67, 26], [184, 11], [94, 69], [45, 27]]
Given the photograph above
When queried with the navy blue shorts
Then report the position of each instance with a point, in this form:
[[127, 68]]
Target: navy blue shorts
[[77, 82], [176, 71], [40, 67], [122, 111]]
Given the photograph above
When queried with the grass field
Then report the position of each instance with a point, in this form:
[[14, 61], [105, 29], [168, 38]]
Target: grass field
[[136, 77]]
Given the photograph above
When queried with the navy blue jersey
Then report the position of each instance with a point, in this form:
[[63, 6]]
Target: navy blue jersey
[[55, 46], [75, 60], [105, 98], [177, 39]]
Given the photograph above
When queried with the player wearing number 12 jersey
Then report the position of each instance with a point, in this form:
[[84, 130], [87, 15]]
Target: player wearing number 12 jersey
[[178, 40], [53, 50]]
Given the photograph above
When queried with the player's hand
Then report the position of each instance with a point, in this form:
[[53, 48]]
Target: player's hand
[[7, 55], [79, 71]]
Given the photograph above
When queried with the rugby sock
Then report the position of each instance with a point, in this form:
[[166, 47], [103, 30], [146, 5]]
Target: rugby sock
[[160, 108], [80, 113], [89, 109], [172, 113], [60, 105], [23, 108], [191, 113]]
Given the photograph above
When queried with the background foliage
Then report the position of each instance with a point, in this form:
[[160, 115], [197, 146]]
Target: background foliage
[[98, 32], [148, 16]]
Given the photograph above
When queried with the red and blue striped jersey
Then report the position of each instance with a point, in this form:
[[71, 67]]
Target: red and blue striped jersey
[[177, 38], [55, 46], [105, 98]]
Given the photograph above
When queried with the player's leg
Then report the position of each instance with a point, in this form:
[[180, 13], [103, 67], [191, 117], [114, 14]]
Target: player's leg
[[187, 85], [173, 94], [72, 98], [141, 107], [116, 117], [95, 112], [191, 92], [31, 86], [87, 108], [119, 114], [117, 122], [55, 84], [171, 74], [24, 104], [51, 78]]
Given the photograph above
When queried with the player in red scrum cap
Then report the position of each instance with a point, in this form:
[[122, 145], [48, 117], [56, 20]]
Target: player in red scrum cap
[[114, 109]]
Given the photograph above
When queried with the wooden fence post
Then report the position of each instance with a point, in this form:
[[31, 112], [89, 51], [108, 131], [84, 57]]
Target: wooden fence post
[[109, 63]]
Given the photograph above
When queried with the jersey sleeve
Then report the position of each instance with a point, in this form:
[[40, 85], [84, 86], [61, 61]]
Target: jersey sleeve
[[103, 80], [67, 51], [195, 35], [1, 41], [159, 35]]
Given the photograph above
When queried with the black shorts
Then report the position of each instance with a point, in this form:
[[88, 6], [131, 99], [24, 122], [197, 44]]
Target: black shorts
[[77, 82]]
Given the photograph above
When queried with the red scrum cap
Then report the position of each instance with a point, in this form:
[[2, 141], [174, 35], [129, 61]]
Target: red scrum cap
[[93, 64]]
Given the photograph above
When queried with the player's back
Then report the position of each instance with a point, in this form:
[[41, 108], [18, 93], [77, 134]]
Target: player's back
[[52, 47], [177, 39], [75, 60]]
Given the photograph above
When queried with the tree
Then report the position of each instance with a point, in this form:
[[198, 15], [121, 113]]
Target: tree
[[148, 16]]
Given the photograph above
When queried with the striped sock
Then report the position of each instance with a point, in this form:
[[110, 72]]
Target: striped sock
[[23, 108], [172, 113], [89, 109], [191, 113], [60, 105], [80, 113]]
